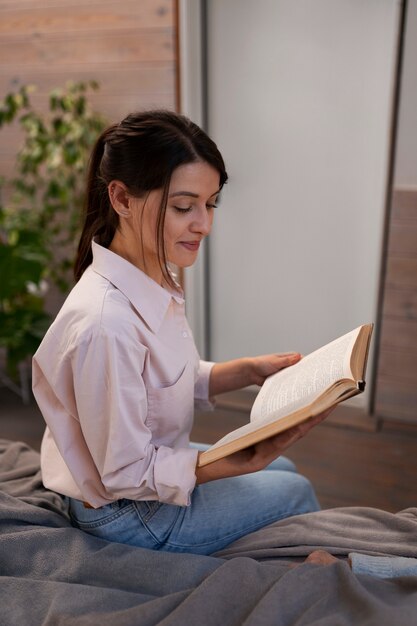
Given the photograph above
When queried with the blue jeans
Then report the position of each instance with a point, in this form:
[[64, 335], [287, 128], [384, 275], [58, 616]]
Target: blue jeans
[[221, 511]]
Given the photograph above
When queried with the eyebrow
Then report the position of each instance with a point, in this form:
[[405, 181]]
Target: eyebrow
[[190, 194]]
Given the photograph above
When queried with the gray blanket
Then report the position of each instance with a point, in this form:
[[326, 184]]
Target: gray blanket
[[53, 574]]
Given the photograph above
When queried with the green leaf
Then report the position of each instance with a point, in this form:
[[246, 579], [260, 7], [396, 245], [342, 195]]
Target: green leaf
[[39, 225], [17, 269]]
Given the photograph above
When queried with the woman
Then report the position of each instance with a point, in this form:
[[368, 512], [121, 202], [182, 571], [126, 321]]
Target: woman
[[117, 374]]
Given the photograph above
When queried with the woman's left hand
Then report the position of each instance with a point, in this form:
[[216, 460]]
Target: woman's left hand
[[267, 364], [239, 373]]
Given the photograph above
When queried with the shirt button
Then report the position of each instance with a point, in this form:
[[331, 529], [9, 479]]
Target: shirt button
[[184, 333]]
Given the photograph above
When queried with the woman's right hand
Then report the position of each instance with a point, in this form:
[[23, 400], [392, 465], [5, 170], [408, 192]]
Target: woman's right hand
[[258, 456]]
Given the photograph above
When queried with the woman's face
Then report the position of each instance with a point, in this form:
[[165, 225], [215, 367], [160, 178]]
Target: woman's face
[[189, 214]]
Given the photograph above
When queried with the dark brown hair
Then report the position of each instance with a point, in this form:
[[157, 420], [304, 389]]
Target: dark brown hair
[[142, 152]]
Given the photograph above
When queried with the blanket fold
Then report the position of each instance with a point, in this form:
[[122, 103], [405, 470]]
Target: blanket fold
[[52, 573]]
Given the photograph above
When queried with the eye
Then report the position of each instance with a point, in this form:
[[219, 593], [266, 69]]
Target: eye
[[211, 206], [183, 209]]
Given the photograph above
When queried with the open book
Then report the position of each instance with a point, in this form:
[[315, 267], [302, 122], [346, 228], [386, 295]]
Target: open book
[[319, 381]]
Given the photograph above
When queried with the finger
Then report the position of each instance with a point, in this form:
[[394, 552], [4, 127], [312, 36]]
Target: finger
[[271, 363], [287, 358]]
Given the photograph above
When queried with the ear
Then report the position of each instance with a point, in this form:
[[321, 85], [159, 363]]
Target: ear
[[119, 198]]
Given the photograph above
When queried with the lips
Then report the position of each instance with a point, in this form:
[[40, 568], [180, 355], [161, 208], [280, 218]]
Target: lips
[[193, 246]]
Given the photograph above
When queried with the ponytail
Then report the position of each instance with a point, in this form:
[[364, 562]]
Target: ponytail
[[142, 151], [100, 220]]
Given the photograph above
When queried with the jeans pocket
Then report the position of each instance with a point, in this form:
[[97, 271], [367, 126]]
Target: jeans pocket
[[147, 509], [88, 519], [158, 518]]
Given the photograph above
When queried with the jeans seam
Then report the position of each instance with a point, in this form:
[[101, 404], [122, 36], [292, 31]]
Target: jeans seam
[[104, 521], [240, 533], [152, 510], [144, 520]]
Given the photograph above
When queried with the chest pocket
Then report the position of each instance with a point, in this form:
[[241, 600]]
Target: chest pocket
[[171, 409]]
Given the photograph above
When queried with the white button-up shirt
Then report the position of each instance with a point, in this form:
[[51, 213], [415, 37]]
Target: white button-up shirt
[[116, 377]]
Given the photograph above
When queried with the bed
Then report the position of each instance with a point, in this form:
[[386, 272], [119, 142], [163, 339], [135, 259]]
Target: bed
[[54, 574]]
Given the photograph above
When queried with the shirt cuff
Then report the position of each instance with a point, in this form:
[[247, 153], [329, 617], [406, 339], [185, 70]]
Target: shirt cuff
[[174, 475], [201, 387], [383, 566]]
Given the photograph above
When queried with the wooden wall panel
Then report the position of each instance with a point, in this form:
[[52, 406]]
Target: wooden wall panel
[[399, 333], [403, 363], [397, 399], [128, 47], [153, 79], [396, 383], [24, 17], [403, 237], [401, 272], [60, 50]]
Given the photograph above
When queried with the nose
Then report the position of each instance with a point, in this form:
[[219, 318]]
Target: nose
[[203, 221]]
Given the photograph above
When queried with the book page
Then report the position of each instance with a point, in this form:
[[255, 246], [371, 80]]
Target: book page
[[298, 385]]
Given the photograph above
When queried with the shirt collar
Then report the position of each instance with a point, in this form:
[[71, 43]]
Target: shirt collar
[[149, 299]]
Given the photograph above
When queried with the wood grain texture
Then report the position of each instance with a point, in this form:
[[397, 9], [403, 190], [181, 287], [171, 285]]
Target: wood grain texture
[[403, 239], [396, 399], [399, 366], [56, 50], [129, 48], [401, 273], [28, 18], [146, 78], [396, 373]]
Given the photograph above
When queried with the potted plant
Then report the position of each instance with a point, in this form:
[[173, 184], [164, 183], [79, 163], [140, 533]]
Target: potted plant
[[40, 209]]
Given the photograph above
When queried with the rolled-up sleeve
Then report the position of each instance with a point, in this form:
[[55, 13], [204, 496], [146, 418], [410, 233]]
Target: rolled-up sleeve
[[202, 400], [175, 477]]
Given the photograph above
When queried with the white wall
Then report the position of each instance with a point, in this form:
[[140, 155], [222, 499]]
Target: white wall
[[191, 104], [406, 159], [300, 98]]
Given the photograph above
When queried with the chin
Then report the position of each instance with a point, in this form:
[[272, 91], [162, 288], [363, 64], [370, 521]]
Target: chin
[[183, 260], [183, 264]]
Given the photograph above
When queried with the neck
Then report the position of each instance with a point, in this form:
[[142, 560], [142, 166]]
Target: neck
[[131, 251]]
